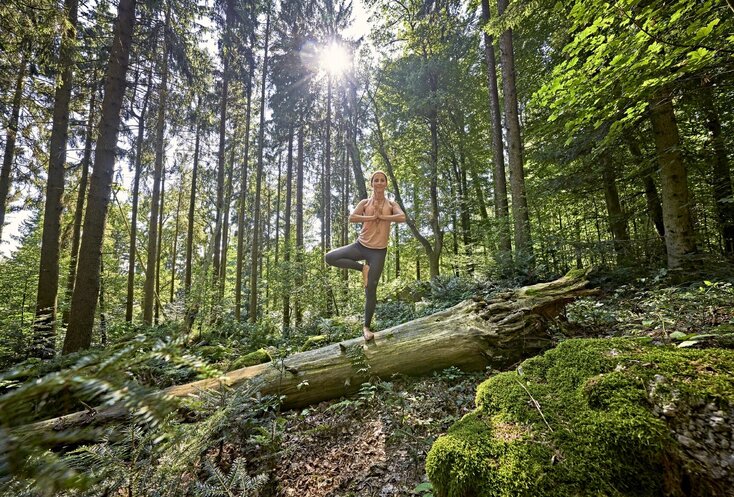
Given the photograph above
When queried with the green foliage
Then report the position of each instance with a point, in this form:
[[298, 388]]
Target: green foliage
[[236, 482]]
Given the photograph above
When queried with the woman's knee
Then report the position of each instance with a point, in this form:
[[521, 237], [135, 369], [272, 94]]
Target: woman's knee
[[330, 258]]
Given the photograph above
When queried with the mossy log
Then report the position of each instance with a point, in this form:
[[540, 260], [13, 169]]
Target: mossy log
[[614, 417], [497, 332]]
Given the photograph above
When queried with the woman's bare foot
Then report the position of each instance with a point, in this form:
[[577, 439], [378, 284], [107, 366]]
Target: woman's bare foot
[[367, 334], [365, 274]]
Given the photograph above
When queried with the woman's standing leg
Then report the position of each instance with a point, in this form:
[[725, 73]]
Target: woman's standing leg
[[376, 260], [345, 257]]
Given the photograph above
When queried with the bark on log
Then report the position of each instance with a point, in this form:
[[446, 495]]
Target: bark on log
[[472, 335]]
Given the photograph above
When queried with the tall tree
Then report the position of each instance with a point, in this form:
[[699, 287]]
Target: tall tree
[[149, 293], [255, 251], [86, 288], [81, 196], [520, 214], [680, 239], [242, 200], [11, 136], [502, 212], [135, 201]]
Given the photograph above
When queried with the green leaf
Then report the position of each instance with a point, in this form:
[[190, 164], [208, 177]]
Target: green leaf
[[678, 335]]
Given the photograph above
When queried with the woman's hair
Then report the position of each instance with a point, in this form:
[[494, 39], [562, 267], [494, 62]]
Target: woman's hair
[[378, 172]]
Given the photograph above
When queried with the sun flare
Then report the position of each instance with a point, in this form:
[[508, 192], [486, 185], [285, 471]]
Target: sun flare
[[334, 59]]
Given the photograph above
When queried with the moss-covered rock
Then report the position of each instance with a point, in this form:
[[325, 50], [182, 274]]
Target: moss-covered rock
[[617, 417], [253, 358]]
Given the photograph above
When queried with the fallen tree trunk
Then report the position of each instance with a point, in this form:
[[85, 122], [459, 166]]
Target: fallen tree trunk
[[497, 332]]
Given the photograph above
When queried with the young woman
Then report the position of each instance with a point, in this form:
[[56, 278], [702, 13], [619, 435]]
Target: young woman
[[376, 214]]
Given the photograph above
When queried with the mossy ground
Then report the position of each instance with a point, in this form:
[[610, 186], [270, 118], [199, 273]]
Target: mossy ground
[[580, 420]]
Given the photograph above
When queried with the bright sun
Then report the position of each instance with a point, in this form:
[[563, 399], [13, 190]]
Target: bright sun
[[334, 60]]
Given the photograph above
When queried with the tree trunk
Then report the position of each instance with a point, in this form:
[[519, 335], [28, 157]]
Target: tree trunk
[[10, 137], [654, 209], [222, 141], [241, 207], [520, 215], [472, 335], [44, 326], [135, 200], [159, 250], [174, 250], [287, 235], [149, 293], [80, 198], [298, 310], [680, 239], [720, 174], [502, 212], [225, 222], [617, 221], [258, 181], [86, 288], [351, 141], [192, 208]]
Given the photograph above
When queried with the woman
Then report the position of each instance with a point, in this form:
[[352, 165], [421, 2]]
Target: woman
[[376, 214]]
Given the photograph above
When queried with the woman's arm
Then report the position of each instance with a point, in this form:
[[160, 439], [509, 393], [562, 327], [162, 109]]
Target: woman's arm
[[397, 216], [357, 215]]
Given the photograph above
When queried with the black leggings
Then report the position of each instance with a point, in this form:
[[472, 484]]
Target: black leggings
[[348, 256]]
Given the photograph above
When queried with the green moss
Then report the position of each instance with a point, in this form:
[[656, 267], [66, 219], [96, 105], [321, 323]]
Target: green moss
[[315, 342], [593, 431], [253, 358]]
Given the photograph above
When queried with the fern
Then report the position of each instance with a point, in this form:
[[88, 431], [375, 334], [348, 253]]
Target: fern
[[237, 482]]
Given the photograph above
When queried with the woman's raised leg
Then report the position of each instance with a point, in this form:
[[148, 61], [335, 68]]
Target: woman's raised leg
[[346, 257]]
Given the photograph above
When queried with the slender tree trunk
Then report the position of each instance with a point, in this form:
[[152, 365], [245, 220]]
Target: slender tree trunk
[[351, 141], [680, 238], [278, 187], [298, 310], [720, 174], [617, 221], [654, 209], [174, 250], [192, 209], [10, 137], [241, 213], [44, 326], [135, 201], [502, 212], [80, 198], [287, 235], [327, 172], [222, 141], [435, 255], [159, 249], [520, 215], [149, 293], [225, 223], [86, 288], [255, 254]]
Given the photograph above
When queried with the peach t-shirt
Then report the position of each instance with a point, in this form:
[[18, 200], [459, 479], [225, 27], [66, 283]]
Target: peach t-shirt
[[375, 234]]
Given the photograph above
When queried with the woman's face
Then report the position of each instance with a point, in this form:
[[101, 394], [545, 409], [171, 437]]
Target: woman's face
[[379, 182]]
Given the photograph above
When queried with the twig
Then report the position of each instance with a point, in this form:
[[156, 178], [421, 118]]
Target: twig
[[535, 403]]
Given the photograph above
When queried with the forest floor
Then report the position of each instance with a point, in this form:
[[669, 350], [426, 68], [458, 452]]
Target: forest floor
[[375, 443]]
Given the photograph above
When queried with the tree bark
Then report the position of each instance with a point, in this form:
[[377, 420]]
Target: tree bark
[[499, 180], [720, 174], [174, 250], [242, 205], [520, 215], [351, 142], [472, 335], [135, 200], [258, 180], [86, 288], [80, 198], [654, 209], [680, 239], [10, 137], [192, 208], [149, 293], [159, 249], [44, 326], [287, 235], [617, 221], [298, 310]]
